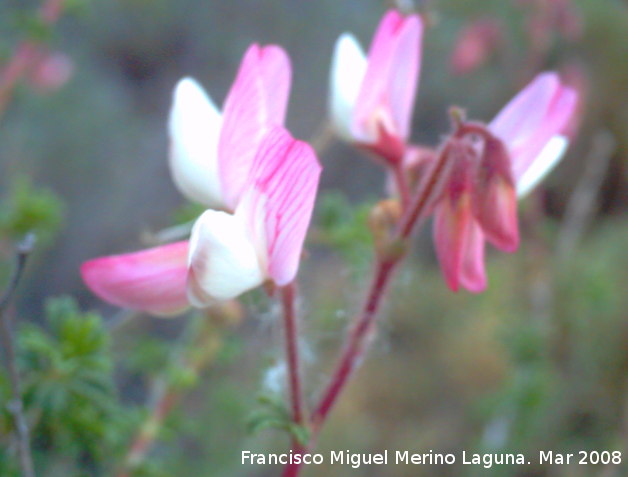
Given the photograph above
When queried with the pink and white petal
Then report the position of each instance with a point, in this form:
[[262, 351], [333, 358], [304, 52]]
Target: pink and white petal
[[346, 75], [472, 271], [223, 261], [257, 100], [545, 162], [151, 280], [286, 174], [520, 119], [404, 73], [277, 76], [556, 119], [194, 128]]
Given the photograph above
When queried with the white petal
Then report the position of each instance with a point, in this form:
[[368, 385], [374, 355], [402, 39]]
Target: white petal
[[194, 128], [223, 260], [347, 72], [548, 158]]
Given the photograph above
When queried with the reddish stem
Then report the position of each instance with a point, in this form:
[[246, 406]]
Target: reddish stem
[[428, 191], [351, 355], [292, 353], [355, 347], [402, 184]]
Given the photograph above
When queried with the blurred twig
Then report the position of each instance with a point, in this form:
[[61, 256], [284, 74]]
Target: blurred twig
[[203, 338], [26, 54], [169, 234], [15, 405], [322, 138], [581, 204]]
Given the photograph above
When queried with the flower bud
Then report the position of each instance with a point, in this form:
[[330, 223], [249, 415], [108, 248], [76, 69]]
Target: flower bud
[[382, 221]]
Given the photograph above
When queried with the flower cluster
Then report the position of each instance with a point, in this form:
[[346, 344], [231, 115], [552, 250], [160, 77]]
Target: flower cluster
[[489, 165], [260, 184]]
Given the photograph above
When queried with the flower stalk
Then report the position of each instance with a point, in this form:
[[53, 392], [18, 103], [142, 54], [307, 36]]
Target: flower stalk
[[15, 405], [292, 353]]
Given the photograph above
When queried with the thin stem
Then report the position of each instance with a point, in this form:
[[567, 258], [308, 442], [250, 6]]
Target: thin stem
[[351, 356], [323, 138], [428, 190], [16, 406], [402, 185], [385, 266], [292, 353], [355, 347]]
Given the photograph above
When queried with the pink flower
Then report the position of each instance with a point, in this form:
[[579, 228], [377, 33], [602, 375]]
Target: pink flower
[[518, 148], [372, 97], [262, 240], [242, 161]]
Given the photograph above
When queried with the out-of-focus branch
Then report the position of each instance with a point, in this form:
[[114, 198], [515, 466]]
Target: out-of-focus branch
[[26, 54], [581, 205], [166, 394], [15, 405], [322, 138]]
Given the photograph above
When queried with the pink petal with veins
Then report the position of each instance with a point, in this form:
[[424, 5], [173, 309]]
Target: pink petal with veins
[[257, 100], [389, 86], [152, 280], [283, 190]]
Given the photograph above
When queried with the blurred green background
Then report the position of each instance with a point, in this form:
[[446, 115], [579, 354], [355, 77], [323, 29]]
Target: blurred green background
[[539, 361]]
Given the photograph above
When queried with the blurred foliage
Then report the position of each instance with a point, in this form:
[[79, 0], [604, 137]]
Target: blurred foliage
[[28, 208], [273, 413], [76, 418], [188, 212], [344, 227]]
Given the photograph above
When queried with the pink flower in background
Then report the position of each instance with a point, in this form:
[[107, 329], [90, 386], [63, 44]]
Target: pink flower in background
[[518, 148], [371, 98], [211, 153], [51, 71], [242, 161], [475, 44]]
